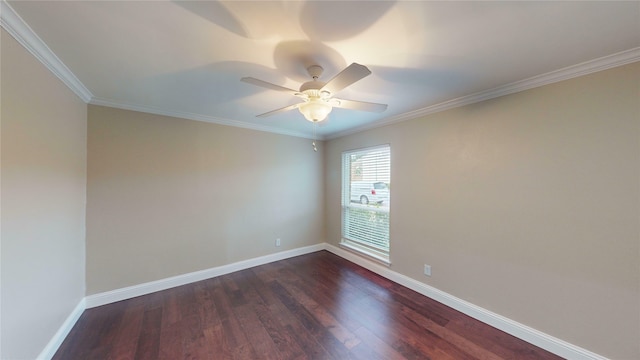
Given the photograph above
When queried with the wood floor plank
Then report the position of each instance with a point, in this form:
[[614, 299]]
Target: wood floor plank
[[400, 334], [170, 307], [234, 337], [324, 317], [315, 306], [215, 344], [127, 336], [333, 295], [170, 342], [294, 326], [192, 337], [445, 334], [372, 347], [260, 340], [326, 340], [148, 346], [206, 306], [287, 346]]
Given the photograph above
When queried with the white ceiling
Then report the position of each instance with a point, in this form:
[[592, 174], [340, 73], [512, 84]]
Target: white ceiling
[[186, 58]]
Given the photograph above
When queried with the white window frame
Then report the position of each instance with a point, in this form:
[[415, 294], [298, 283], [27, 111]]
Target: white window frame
[[350, 241]]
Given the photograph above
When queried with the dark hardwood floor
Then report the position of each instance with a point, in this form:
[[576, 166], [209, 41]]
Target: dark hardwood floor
[[316, 306]]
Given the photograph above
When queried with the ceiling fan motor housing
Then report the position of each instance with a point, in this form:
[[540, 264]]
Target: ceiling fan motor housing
[[312, 85]]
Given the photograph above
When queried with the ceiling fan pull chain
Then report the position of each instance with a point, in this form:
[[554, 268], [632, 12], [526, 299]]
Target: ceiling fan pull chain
[[313, 143]]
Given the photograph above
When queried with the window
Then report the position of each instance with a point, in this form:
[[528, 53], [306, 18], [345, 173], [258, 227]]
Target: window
[[366, 178]]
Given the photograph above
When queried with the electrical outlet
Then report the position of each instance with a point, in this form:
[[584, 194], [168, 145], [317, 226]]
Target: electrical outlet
[[278, 242], [427, 270]]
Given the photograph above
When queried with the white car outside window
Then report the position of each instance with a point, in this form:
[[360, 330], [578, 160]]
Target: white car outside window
[[366, 192]]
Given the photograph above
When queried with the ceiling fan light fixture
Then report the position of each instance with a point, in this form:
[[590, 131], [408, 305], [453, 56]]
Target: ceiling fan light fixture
[[315, 110], [317, 96]]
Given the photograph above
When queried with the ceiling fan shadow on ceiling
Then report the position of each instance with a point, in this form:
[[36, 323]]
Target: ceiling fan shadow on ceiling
[[317, 96]]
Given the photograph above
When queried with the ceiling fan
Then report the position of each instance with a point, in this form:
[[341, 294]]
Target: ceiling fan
[[317, 96]]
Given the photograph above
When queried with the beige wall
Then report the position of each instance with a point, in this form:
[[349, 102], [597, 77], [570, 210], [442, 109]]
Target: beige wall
[[526, 205], [170, 196], [43, 189]]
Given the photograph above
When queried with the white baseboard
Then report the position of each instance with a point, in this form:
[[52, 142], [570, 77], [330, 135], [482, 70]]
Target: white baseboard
[[530, 335], [57, 339], [163, 284], [533, 336]]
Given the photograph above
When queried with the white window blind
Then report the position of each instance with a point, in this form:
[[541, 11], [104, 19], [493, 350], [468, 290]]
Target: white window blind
[[366, 183]]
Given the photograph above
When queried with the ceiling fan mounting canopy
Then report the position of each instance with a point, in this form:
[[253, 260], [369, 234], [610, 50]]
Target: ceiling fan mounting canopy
[[317, 96], [315, 71]]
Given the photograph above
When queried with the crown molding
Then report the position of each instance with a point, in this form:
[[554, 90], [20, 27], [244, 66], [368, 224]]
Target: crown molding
[[22, 32], [18, 28], [581, 69], [199, 117]]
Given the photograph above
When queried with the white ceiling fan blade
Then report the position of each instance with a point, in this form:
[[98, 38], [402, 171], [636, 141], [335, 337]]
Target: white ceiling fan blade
[[286, 108], [346, 77], [358, 105], [268, 85]]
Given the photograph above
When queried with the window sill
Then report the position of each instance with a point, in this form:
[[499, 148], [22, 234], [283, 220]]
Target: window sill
[[361, 250]]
